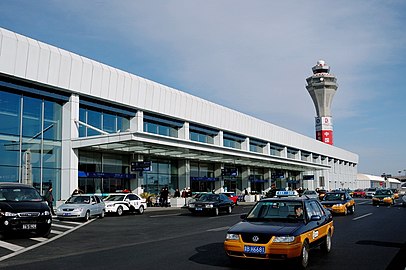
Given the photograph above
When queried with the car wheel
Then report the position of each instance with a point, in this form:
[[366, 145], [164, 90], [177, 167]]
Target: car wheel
[[216, 211], [44, 233], [326, 245], [103, 213], [141, 210], [346, 211], [303, 260], [352, 211], [120, 211], [87, 216], [229, 209]]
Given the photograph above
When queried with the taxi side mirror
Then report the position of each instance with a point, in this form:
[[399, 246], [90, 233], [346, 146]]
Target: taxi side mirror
[[315, 218], [243, 216]]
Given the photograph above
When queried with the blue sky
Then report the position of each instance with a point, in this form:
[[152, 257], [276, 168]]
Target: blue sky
[[251, 56]]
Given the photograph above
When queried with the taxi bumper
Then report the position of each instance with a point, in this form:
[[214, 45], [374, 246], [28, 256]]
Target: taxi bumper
[[272, 251], [337, 209]]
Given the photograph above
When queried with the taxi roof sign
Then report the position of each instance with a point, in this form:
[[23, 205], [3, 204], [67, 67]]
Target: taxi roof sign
[[286, 193]]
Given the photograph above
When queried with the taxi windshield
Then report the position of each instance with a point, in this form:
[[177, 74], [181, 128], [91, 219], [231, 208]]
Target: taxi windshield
[[276, 211], [383, 192], [334, 197]]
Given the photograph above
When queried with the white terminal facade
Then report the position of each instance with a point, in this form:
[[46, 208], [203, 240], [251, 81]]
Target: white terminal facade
[[73, 122]]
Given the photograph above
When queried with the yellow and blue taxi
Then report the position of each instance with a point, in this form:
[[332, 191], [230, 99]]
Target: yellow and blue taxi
[[339, 202], [279, 228]]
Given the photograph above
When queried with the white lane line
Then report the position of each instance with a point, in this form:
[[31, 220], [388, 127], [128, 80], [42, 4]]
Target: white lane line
[[218, 229], [366, 202], [168, 215], [39, 239], [22, 250], [222, 216], [362, 216], [62, 226], [10, 246], [71, 222], [56, 232]]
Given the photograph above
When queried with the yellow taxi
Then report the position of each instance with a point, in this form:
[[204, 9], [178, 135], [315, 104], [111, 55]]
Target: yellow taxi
[[383, 196], [285, 227], [339, 202]]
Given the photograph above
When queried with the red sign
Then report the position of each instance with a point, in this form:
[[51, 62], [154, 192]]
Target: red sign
[[325, 136]]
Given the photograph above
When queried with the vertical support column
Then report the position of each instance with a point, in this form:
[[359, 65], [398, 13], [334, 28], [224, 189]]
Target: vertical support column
[[184, 174], [138, 180], [69, 157], [184, 131], [267, 176], [218, 140], [137, 122], [267, 149], [218, 185], [245, 145]]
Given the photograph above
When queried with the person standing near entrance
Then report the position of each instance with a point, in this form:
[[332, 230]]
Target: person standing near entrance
[[50, 199]]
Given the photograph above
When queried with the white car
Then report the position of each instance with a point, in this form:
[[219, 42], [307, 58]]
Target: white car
[[119, 203], [83, 206]]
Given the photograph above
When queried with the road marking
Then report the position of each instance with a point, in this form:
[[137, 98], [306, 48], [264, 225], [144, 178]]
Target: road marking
[[364, 202], [218, 229], [62, 226], [362, 216], [39, 239], [10, 246], [168, 215], [230, 215], [71, 222], [56, 232], [22, 250]]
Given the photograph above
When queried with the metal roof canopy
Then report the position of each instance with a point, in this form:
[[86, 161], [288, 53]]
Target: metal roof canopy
[[164, 146]]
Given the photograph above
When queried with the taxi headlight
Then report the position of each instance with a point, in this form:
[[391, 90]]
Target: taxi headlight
[[387, 198], [283, 239], [209, 206], [338, 205], [232, 236]]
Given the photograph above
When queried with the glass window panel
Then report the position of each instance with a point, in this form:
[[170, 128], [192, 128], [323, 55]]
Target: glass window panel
[[9, 150], [93, 119], [52, 154], [82, 118], [8, 173], [109, 123], [32, 117], [123, 123], [52, 120], [9, 113]]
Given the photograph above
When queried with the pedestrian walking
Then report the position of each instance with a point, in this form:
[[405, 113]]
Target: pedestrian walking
[[50, 199]]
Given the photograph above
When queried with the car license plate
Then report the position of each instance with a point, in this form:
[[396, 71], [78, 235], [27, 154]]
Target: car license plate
[[254, 249], [66, 214], [29, 226], [199, 209]]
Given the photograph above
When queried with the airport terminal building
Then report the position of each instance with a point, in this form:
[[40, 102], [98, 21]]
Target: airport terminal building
[[72, 122]]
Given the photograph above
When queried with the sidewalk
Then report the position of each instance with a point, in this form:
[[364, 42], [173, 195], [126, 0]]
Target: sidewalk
[[160, 208]]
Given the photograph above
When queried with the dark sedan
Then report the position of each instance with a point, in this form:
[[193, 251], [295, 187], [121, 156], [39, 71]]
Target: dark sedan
[[211, 204], [23, 210]]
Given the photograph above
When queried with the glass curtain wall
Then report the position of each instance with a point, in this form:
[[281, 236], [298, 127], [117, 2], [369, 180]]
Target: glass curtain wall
[[164, 173], [202, 177], [30, 140]]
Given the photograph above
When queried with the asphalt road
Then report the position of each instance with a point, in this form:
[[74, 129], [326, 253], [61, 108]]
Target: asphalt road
[[372, 238]]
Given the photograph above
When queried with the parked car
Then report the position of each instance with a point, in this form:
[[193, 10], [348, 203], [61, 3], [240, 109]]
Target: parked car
[[370, 192], [339, 202], [232, 196], [383, 196], [280, 229], [359, 193], [125, 202], [83, 206], [212, 204], [404, 200], [23, 211], [311, 194]]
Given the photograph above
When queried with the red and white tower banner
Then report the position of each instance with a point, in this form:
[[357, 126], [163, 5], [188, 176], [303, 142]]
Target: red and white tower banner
[[324, 129]]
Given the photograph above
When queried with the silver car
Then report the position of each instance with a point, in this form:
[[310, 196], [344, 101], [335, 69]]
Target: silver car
[[311, 194], [81, 206]]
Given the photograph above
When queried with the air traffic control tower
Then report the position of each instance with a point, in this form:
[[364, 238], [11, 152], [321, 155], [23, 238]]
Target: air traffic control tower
[[322, 86]]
